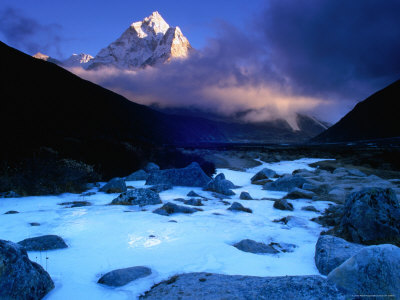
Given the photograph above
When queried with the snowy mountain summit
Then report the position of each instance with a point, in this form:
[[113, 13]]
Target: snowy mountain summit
[[145, 43], [76, 60]]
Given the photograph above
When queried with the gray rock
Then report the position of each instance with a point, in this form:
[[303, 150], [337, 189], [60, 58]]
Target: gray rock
[[115, 185], [298, 193], [263, 174], [261, 182], [282, 204], [245, 196], [151, 167], [139, 197], [374, 270], [138, 175], [10, 194], [221, 185], [121, 277], [310, 208], [193, 202], [34, 224], [21, 278], [220, 196], [207, 286], [192, 175], [193, 194], [341, 171], [356, 172], [371, 216], [337, 195], [292, 221], [172, 208], [88, 194], [331, 252], [75, 204], [11, 212], [308, 186], [255, 247], [43, 243], [158, 188], [285, 183], [283, 247], [236, 206]]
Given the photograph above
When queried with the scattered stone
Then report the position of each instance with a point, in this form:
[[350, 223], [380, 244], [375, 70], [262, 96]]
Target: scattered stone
[[340, 171], [11, 212], [92, 185], [171, 208], [192, 175], [298, 193], [34, 224], [310, 208], [121, 277], [193, 194], [282, 204], [308, 186], [292, 221], [255, 247], [173, 221], [115, 185], [158, 188], [43, 243], [180, 200], [371, 216], [283, 247], [20, 278], [217, 214], [356, 172], [285, 183], [139, 197], [225, 202], [374, 270], [151, 167], [138, 175], [331, 252], [337, 195], [73, 204], [221, 185], [245, 196], [152, 236], [193, 202], [262, 181], [218, 286], [10, 194], [263, 174], [88, 194], [236, 206], [220, 196]]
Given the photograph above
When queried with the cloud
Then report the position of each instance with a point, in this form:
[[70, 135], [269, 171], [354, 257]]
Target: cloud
[[310, 56], [27, 34]]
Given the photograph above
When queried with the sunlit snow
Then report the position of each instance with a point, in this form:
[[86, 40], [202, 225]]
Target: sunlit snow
[[102, 238]]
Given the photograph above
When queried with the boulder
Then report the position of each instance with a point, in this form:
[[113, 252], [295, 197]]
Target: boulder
[[193, 194], [121, 277], [245, 196], [138, 175], [139, 197], [158, 188], [310, 208], [255, 247], [282, 204], [151, 167], [298, 193], [11, 212], [331, 252], [207, 286], [371, 216], [236, 206], [263, 174], [285, 183], [221, 185], [337, 195], [43, 243], [172, 208], [374, 270], [193, 202], [192, 175], [115, 185], [20, 278], [261, 182]]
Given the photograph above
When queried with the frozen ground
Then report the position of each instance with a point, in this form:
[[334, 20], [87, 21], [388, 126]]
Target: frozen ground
[[102, 238]]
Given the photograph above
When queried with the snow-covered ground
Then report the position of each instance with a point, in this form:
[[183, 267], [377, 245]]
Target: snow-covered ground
[[102, 238]]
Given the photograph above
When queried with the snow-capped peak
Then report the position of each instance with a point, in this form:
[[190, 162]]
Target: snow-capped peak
[[76, 60]]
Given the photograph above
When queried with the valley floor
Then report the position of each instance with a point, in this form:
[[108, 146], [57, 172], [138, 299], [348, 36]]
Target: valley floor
[[102, 238]]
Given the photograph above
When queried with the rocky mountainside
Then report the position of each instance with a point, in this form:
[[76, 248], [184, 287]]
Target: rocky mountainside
[[377, 117], [148, 42], [45, 57]]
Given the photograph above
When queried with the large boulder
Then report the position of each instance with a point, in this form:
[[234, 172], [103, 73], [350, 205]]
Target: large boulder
[[251, 246], [151, 167], [263, 174], [121, 277], [172, 208], [192, 175], [43, 243], [115, 185], [139, 197], [207, 286], [282, 204], [331, 252], [371, 216], [236, 206], [138, 175], [374, 270], [221, 185], [285, 183], [21, 278]]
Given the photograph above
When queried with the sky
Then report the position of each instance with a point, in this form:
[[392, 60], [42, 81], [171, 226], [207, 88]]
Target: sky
[[269, 59]]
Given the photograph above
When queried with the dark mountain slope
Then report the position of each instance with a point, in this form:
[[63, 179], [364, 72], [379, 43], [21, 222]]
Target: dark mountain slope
[[376, 117]]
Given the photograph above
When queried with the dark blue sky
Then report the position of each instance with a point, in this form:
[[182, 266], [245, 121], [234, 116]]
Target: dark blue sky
[[87, 26]]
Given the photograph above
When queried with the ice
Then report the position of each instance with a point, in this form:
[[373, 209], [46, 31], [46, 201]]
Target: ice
[[104, 237]]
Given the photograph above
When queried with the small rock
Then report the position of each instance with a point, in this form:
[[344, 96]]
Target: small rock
[[283, 247], [245, 196], [43, 243], [158, 188], [292, 221], [173, 221], [236, 206], [255, 247], [139, 197], [34, 224], [115, 185], [171, 208], [221, 185], [308, 187], [285, 183], [121, 277], [10, 194], [11, 212], [88, 194], [193, 194], [310, 208], [263, 174], [282, 204], [151, 167], [220, 196], [138, 175], [75, 204], [356, 172], [193, 202], [298, 193]]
